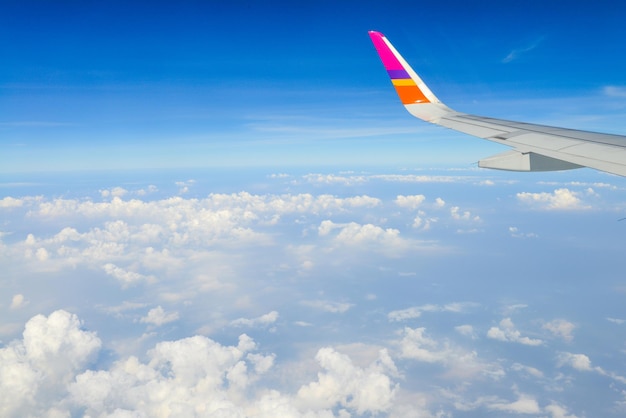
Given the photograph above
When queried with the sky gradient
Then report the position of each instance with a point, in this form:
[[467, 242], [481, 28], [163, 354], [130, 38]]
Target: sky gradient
[[117, 85], [223, 210]]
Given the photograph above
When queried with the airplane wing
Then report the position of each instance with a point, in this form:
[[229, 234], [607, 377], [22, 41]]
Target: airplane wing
[[535, 147]]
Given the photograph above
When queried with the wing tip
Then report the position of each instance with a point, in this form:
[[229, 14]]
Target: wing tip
[[409, 87]]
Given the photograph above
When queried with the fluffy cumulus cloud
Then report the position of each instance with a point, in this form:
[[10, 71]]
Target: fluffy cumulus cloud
[[582, 363], [578, 361], [191, 377], [47, 373], [560, 199], [387, 240], [561, 328], [459, 215], [144, 242], [410, 202], [506, 331], [342, 383], [36, 371], [10, 202], [157, 316]]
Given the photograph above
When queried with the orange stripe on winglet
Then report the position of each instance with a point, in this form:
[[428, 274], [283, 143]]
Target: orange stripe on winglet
[[411, 94]]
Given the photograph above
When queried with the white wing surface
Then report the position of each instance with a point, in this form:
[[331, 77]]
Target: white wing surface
[[535, 147]]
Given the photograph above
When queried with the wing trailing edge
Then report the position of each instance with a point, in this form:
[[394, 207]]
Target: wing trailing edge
[[535, 147]]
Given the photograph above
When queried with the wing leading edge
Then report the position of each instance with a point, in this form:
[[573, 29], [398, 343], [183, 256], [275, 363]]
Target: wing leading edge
[[535, 147]]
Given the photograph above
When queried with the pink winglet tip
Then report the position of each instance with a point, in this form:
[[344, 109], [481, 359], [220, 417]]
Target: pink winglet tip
[[389, 60]]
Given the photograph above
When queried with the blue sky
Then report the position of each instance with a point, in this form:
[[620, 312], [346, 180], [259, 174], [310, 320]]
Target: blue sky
[[121, 85], [214, 209]]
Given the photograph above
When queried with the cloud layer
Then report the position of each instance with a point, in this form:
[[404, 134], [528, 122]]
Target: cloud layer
[[315, 295]]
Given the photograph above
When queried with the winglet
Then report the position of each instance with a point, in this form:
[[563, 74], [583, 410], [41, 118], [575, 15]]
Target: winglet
[[409, 86]]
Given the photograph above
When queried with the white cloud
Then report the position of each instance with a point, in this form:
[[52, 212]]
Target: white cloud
[[460, 363], [18, 301], [237, 207], [416, 311], [422, 222], [558, 411], [526, 404], [386, 241], [560, 199], [10, 202], [328, 306], [577, 361], [532, 371], [561, 328], [508, 333], [124, 276], [410, 202], [582, 362], [36, 371], [136, 241], [193, 376], [214, 263], [515, 233], [114, 192], [518, 52], [157, 316], [349, 180], [416, 345], [355, 234], [367, 390], [509, 309], [42, 254], [456, 214], [414, 178], [183, 186], [263, 320], [466, 330], [404, 314], [334, 179]]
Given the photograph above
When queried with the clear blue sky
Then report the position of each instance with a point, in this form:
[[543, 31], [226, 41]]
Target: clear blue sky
[[156, 84]]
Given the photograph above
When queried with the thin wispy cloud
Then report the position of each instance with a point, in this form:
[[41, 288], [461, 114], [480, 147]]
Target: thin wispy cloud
[[614, 91], [519, 52]]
